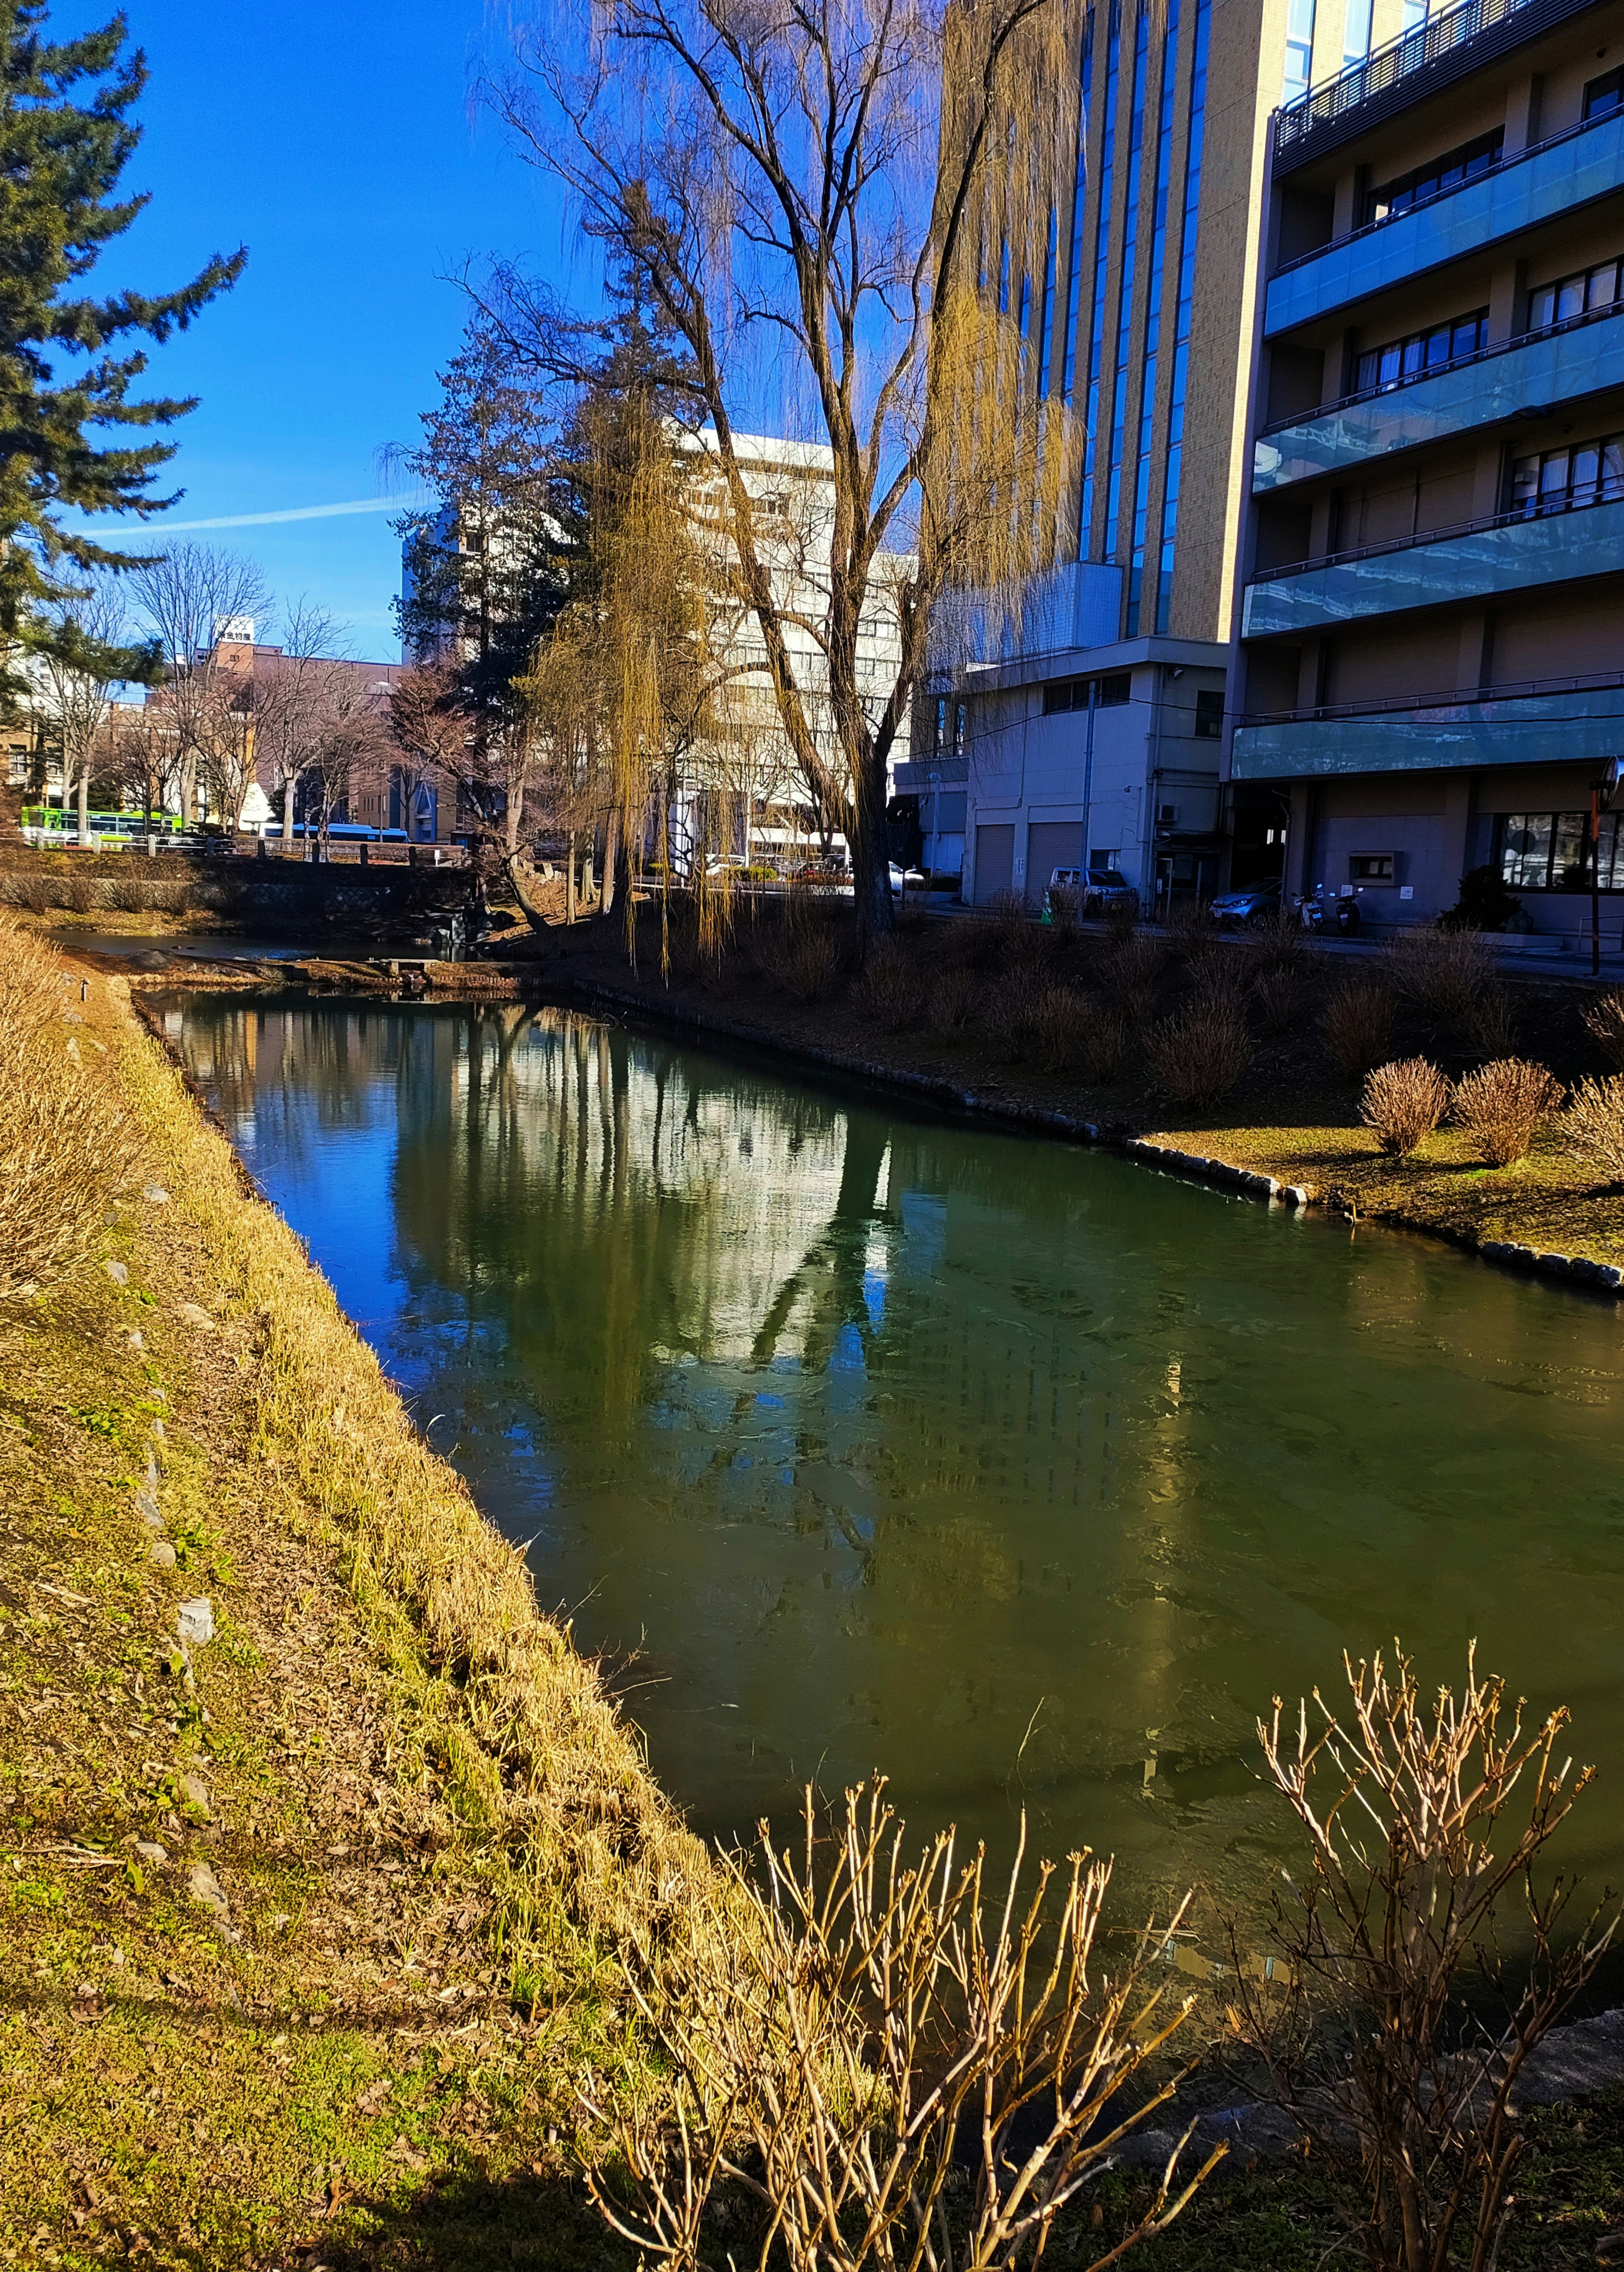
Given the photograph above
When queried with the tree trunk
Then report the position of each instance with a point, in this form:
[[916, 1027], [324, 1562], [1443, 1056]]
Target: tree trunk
[[85, 805], [522, 876], [288, 810], [569, 888], [611, 855]]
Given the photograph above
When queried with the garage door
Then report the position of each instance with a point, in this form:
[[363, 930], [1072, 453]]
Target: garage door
[[1050, 844], [995, 861]]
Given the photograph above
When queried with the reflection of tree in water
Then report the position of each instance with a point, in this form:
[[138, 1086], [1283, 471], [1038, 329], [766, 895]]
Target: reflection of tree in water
[[289, 1077]]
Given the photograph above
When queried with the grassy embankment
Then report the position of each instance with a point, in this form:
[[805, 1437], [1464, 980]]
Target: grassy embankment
[[955, 1005], [426, 1828]]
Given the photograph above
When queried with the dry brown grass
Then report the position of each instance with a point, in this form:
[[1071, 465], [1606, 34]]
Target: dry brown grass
[[1594, 1124], [65, 1149], [1056, 1026], [1403, 1103], [801, 954], [1357, 1026], [1605, 1017], [1278, 989], [1500, 1107], [950, 997], [1447, 974], [1198, 1056], [580, 1846], [1128, 967]]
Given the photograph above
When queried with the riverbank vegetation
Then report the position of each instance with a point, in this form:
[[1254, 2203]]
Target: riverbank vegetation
[[1261, 1044]]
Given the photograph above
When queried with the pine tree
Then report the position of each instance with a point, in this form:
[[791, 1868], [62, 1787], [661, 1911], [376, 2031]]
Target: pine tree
[[67, 363]]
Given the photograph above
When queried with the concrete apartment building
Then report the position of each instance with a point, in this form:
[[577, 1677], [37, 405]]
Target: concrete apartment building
[[1132, 276], [1430, 581]]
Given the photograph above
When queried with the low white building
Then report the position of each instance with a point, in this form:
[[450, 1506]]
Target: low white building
[[1076, 748]]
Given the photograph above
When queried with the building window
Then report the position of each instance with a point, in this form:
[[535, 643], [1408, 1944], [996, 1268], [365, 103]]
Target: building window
[[1604, 95], [1423, 351], [1355, 33], [1299, 49], [1073, 693], [1371, 867], [961, 727], [1564, 480], [1455, 166], [1573, 296], [1545, 851], [1209, 714], [938, 744]]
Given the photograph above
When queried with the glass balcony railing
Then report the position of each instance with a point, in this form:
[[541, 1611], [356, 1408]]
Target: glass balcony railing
[[1560, 364], [1578, 722], [1583, 162], [1387, 65], [1471, 562]]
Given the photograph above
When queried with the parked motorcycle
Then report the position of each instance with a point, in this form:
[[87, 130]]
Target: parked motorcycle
[[1329, 915]]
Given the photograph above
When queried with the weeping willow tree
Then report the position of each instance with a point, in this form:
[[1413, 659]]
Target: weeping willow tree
[[628, 685], [806, 194]]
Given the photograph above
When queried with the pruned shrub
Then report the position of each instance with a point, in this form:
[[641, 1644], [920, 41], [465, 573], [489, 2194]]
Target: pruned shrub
[[802, 956], [1443, 973], [1057, 1021], [1594, 1124], [900, 2060], [1403, 1103], [949, 996], [1065, 914], [1198, 1056], [1278, 991], [1356, 1026], [1499, 1108], [65, 1148], [1424, 1820], [1103, 1043], [1605, 1017], [891, 989], [1127, 972]]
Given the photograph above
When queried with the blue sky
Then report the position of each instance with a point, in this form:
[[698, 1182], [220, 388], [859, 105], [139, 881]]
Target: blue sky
[[336, 140]]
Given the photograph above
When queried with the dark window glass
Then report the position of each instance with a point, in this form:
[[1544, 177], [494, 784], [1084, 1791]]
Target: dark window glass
[[1421, 352], [1209, 713], [1573, 296], [1113, 690], [1604, 94], [1464, 164], [1546, 852], [1065, 694], [961, 726], [1561, 480]]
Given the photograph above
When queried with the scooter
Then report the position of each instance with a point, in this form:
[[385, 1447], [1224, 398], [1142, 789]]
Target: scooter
[[1337, 915]]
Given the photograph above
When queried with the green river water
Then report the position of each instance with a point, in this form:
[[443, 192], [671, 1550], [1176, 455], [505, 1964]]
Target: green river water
[[858, 1438]]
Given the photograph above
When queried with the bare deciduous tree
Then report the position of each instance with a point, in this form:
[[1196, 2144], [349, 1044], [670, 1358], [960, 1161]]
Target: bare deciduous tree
[[293, 700], [70, 688], [1414, 1852], [430, 729], [811, 183], [187, 597]]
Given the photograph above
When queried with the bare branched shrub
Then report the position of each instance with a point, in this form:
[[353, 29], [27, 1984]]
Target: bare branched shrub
[[65, 1148], [1502, 1106], [1103, 1043], [891, 989], [905, 2067], [1281, 943], [1010, 922], [949, 997], [1594, 1124], [1198, 1056], [1055, 1025], [1443, 973], [1189, 925], [802, 956], [1220, 979], [1414, 1852], [33, 889], [1065, 914], [1488, 1023], [1006, 1011], [1403, 1103], [1605, 1017], [1278, 991], [1128, 969], [1357, 1026]]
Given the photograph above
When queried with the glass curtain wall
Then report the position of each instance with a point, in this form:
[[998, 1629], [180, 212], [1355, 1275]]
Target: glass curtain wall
[[1153, 311], [1079, 199], [1125, 291], [1190, 231], [1102, 242]]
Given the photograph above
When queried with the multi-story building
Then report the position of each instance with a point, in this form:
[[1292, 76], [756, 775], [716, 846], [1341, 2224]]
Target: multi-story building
[[1430, 578], [1127, 259]]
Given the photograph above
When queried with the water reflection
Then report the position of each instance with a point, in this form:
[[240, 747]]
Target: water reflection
[[1016, 1470]]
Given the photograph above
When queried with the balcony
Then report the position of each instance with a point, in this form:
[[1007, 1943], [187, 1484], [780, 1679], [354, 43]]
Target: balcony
[[1580, 357], [1474, 561], [1574, 722], [1406, 69], [1582, 163]]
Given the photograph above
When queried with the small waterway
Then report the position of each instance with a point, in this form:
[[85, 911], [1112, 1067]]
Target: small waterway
[[861, 1437]]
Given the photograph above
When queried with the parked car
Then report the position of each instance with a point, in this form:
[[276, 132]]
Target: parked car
[[1094, 890], [906, 879], [1259, 903]]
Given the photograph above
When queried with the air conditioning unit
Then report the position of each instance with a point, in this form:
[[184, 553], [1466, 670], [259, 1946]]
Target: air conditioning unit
[[1167, 816]]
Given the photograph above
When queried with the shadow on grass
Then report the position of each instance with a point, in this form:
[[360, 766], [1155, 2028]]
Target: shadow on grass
[[471, 2222]]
